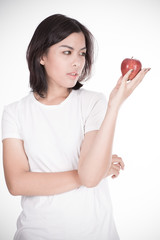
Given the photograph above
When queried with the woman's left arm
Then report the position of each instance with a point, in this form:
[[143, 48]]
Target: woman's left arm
[[96, 150]]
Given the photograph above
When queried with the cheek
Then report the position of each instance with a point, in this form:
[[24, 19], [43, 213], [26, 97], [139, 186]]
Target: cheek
[[53, 67], [83, 65], [58, 63]]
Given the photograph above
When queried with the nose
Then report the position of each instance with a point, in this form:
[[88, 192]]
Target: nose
[[76, 61], [75, 64]]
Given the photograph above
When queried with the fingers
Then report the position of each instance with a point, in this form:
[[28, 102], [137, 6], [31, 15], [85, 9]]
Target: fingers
[[119, 83], [118, 160], [138, 78], [115, 172], [142, 73], [126, 76], [116, 166]]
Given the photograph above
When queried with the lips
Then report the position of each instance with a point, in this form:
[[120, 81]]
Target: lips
[[73, 74]]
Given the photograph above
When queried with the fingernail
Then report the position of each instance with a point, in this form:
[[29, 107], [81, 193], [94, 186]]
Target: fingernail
[[147, 69]]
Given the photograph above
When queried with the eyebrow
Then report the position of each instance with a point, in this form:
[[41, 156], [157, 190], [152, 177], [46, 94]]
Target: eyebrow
[[66, 46]]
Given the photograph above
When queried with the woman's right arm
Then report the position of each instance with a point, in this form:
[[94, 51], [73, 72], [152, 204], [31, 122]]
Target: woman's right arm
[[21, 181]]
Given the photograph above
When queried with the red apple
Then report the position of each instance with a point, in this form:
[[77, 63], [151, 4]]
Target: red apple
[[130, 63]]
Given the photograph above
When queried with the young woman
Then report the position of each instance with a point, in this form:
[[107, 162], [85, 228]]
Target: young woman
[[57, 141]]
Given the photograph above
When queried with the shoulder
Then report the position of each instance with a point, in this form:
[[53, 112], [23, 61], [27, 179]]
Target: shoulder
[[91, 96], [91, 102], [16, 106]]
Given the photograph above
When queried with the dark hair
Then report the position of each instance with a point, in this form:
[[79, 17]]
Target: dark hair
[[50, 31]]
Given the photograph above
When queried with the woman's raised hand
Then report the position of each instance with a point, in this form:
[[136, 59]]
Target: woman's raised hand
[[124, 88]]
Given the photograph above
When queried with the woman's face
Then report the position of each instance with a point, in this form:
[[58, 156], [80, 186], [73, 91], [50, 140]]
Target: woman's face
[[65, 61]]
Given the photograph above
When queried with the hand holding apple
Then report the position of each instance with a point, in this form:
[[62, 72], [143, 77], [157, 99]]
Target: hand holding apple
[[130, 63], [123, 88]]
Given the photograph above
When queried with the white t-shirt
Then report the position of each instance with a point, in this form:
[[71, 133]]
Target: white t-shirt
[[52, 136]]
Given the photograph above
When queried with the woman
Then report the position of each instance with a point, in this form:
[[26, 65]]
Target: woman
[[57, 141]]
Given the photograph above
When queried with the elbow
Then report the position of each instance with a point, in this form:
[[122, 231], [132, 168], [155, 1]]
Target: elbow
[[16, 185], [13, 193], [13, 189], [88, 180], [90, 184]]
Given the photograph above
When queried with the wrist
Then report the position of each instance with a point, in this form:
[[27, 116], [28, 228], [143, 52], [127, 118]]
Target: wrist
[[113, 109]]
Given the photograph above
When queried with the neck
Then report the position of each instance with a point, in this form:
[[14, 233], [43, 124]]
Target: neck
[[54, 96], [57, 93]]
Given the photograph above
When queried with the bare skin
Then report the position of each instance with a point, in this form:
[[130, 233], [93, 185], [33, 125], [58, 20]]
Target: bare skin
[[96, 160]]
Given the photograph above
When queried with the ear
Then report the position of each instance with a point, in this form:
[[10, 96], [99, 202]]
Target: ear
[[42, 60]]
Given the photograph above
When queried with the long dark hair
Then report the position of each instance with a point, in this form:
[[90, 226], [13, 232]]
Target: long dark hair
[[50, 31]]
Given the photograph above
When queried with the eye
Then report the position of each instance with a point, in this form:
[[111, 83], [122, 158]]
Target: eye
[[67, 52], [83, 54]]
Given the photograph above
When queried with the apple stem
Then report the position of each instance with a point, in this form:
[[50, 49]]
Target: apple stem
[[132, 57]]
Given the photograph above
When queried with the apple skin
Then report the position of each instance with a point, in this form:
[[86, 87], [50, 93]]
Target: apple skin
[[130, 63]]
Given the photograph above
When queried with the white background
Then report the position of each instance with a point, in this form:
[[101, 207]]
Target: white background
[[122, 29]]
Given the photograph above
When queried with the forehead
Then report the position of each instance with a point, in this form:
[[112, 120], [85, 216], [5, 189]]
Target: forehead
[[73, 40]]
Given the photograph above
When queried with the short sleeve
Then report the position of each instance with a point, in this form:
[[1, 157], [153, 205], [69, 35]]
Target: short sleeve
[[9, 124], [96, 113]]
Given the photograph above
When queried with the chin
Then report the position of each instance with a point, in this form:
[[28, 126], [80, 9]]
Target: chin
[[71, 85]]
